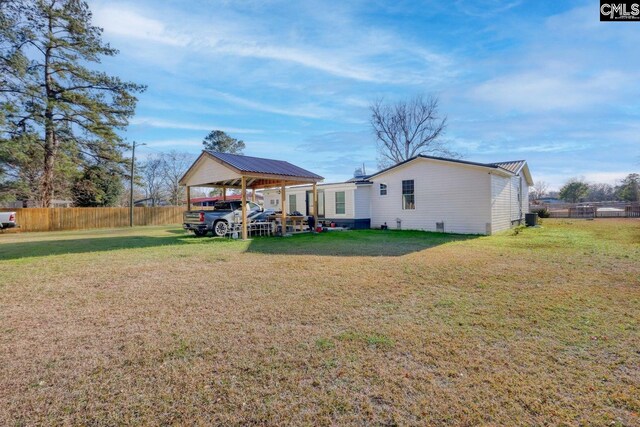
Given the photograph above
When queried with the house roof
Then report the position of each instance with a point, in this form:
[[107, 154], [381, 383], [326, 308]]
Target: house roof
[[444, 159], [263, 166], [513, 166]]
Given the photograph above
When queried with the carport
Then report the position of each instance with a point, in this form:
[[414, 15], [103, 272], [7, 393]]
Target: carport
[[223, 170]]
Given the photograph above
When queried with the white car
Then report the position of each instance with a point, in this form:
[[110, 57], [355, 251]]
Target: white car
[[7, 220]]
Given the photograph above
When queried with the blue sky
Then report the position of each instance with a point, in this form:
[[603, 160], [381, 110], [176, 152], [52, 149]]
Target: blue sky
[[538, 80]]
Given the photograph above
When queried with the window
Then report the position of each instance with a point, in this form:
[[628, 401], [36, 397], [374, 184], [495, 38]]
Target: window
[[383, 189], [321, 204], [292, 203], [340, 202], [223, 206], [408, 195]]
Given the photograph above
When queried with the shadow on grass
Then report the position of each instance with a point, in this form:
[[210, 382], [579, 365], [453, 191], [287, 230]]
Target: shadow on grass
[[40, 248], [349, 243], [179, 231], [355, 243]]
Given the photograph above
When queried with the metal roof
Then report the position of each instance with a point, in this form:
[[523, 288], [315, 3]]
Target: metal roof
[[512, 166], [261, 165], [444, 159]]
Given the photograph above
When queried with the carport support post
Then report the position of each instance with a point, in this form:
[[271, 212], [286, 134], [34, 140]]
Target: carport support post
[[253, 195], [283, 218], [224, 192], [244, 208], [188, 198], [315, 203]]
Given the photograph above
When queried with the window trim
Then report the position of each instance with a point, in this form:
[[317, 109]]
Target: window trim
[[343, 203], [408, 206], [295, 203], [383, 187]]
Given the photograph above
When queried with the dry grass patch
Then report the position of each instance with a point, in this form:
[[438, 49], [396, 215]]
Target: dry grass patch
[[151, 326]]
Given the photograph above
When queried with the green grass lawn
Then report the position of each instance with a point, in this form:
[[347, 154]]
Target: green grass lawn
[[154, 326]]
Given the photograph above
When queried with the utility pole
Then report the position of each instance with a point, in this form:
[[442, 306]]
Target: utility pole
[[133, 163]]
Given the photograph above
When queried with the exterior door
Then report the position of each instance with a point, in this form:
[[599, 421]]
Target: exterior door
[[320, 203]]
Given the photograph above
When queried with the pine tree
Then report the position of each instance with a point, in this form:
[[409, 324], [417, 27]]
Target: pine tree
[[218, 140], [629, 188], [47, 90], [96, 187]]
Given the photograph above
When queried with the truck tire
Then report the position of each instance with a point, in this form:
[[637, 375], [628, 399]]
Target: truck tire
[[220, 228], [200, 233]]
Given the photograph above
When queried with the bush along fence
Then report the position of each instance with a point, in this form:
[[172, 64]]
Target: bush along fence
[[576, 211], [56, 219]]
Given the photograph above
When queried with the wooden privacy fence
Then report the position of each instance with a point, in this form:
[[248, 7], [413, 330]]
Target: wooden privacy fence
[[55, 219]]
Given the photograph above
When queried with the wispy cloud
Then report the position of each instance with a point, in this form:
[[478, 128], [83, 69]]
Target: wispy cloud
[[129, 22], [168, 124], [183, 144], [318, 60], [311, 111], [517, 79], [545, 90], [361, 59], [485, 8]]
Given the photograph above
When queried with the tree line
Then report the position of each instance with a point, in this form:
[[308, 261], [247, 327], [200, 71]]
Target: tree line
[[577, 190]]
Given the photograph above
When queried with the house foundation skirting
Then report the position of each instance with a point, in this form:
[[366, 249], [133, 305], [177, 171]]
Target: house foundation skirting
[[354, 224]]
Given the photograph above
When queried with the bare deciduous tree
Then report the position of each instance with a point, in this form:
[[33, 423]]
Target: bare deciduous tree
[[175, 164], [408, 128], [539, 190], [601, 192], [151, 172]]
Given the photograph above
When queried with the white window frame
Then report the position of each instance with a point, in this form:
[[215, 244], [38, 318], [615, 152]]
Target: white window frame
[[406, 206], [344, 202], [294, 204]]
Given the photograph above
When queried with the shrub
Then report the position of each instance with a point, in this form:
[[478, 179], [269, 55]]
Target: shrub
[[516, 230], [542, 212]]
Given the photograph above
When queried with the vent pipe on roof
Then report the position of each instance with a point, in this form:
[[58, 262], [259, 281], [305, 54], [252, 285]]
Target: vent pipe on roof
[[360, 173]]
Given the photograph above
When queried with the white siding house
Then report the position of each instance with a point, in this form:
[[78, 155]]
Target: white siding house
[[347, 204], [437, 194], [455, 196], [423, 193]]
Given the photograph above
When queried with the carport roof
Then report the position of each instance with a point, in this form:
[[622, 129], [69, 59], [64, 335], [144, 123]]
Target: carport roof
[[263, 166], [215, 169]]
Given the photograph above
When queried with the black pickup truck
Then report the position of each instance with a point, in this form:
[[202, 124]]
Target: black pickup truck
[[219, 219]]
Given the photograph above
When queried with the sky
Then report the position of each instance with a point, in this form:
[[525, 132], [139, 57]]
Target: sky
[[543, 81]]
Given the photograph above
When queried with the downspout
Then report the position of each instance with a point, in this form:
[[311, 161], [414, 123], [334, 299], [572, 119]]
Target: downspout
[[520, 201]]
